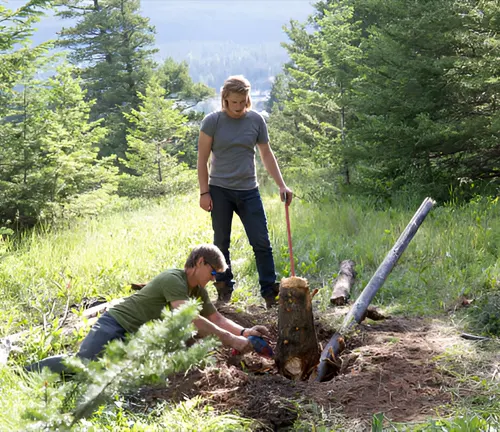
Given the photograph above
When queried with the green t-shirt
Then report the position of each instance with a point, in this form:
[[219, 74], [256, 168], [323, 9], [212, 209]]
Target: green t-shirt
[[148, 303]]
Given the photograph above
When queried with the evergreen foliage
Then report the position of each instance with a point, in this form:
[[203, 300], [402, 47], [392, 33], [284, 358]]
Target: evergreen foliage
[[158, 350], [52, 148], [324, 66], [420, 122], [175, 79], [16, 58], [15, 53], [398, 96], [155, 126], [111, 44]]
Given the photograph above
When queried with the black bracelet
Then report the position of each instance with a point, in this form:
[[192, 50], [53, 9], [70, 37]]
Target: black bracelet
[[242, 331], [204, 193]]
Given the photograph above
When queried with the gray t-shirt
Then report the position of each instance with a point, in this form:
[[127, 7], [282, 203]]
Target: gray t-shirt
[[233, 148]]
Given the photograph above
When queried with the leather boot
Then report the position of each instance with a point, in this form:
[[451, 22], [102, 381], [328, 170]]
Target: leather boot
[[224, 291], [271, 300]]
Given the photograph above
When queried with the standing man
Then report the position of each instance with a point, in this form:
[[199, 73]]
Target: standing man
[[232, 134]]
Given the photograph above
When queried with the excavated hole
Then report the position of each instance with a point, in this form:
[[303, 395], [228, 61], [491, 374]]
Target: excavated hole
[[386, 367]]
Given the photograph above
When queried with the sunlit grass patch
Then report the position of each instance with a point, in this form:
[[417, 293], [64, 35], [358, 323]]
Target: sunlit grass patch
[[452, 254]]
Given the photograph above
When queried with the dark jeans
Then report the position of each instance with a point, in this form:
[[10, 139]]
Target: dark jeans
[[247, 204], [103, 331]]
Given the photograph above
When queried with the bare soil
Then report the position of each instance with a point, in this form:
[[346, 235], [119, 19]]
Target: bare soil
[[388, 366]]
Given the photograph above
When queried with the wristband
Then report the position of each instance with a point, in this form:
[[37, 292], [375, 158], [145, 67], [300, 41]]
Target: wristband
[[242, 331], [204, 193]]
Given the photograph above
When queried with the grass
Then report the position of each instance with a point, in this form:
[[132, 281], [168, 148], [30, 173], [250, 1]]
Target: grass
[[191, 415], [454, 253]]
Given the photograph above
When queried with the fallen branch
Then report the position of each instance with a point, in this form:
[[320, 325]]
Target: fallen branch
[[65, 316], [87, 313], [474, 337], [358, 310]]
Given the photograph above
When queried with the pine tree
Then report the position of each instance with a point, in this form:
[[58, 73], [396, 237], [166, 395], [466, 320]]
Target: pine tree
[[112, 46], [155, 126], [51, 148], [17, 58], [401, 94], [426, 100], [79, 181], [22, 192], [16, 29], [179, 86], [325, 58]]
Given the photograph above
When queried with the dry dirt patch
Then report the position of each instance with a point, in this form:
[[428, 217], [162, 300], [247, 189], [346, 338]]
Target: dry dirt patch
[[387, 367]]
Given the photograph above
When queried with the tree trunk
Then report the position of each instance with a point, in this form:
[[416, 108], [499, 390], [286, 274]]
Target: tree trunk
[[343, 283], [297, 351]]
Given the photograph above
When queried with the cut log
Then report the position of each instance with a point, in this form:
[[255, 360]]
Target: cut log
[[343, 283], [297, 351]]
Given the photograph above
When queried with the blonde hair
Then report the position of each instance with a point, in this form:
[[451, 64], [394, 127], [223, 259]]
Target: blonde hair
[[235, 84], [210, 253]]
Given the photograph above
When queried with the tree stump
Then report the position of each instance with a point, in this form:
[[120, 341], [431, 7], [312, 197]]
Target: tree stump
[[297, 351], [343, 283]]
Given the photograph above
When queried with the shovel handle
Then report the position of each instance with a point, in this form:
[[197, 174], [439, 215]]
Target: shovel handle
[[290, 249]]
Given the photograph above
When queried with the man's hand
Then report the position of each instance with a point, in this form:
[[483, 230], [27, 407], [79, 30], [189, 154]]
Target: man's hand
[[286, 195], [258, 330], [206, 202]]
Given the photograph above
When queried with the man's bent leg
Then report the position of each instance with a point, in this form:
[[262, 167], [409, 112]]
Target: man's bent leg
[[104, 330]]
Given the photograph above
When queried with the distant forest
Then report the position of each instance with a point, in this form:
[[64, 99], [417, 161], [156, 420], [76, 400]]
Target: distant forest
[[207, 35], [212, 62]]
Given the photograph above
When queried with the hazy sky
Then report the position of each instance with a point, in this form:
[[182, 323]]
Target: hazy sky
[[237, 21]]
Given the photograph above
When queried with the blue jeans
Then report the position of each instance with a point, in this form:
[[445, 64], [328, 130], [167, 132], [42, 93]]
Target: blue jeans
[[103, 331], [247, 204]]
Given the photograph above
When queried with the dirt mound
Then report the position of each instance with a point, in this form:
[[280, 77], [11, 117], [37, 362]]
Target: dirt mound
[[387, 367]]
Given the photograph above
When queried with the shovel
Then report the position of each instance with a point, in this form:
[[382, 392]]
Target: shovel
[[289, 232]]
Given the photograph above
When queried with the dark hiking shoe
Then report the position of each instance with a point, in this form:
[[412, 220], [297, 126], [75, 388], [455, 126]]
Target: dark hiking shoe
[[224, 292], [271, 300], [276, 288]]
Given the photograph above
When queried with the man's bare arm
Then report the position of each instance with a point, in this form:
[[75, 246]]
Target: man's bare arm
[[206, 327], [204, 149], [234, 328], [271, 165]]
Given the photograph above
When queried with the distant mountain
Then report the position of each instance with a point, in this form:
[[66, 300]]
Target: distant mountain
[[217, 37]]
